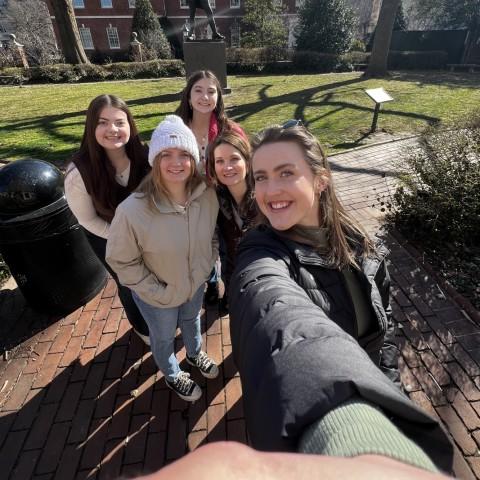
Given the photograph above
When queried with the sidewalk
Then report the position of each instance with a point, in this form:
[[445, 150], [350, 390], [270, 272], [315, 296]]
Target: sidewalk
[[81, 398]]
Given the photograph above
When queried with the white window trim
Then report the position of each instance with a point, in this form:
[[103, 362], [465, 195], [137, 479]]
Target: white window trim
[[113, 29], [131, 3], [235, 6], [185, 6], [78, 6], [86, 29]]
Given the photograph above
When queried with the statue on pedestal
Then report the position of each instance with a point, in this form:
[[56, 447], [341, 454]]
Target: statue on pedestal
[[205, 6]]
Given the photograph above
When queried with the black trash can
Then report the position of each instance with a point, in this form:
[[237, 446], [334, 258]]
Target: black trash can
[[41, 241]]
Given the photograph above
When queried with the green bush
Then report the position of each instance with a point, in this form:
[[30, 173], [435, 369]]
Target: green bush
[[65, 73], [12, 76], [438, 200], [306, 61], [257, 55], [428, 60]]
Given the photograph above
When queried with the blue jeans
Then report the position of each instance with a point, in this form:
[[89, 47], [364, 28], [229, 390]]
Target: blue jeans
[[162, 324]]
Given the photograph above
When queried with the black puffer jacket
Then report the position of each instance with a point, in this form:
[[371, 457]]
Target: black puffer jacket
[[295, 362]]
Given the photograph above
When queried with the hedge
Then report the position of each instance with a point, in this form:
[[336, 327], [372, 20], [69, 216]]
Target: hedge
[[65, 73]]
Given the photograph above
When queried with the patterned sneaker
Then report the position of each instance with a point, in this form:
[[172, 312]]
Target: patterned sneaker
[[185, 388], [206, 365]]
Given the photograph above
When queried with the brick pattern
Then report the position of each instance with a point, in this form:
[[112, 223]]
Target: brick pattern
[[80, 397]]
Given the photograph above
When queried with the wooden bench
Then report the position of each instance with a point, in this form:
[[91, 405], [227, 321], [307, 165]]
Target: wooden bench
[[471, 67]]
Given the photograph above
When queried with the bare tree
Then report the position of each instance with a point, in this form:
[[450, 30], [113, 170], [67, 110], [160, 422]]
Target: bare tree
[[377, 66], [32, 26], [67, 28]]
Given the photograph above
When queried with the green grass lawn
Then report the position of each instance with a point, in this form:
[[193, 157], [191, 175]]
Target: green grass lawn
[[46, 121]]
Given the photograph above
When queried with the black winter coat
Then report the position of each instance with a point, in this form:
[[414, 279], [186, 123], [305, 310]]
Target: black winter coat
[[296, 362]]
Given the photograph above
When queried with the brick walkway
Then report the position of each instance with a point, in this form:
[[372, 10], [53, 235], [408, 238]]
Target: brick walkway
[[80, 396]]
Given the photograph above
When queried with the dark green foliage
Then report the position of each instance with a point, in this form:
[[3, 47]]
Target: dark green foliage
[[145, 23], [263, 26], [63, 73], [437, 205], [438, 201], [404, 60], [320, 62], [325, 26], [400, 21]]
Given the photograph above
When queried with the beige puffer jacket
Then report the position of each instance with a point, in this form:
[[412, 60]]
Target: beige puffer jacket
[[164, 255]]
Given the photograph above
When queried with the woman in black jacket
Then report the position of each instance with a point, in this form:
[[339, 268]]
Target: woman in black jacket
[[309, 306]]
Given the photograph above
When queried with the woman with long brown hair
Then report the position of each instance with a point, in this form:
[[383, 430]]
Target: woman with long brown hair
[[109, 165], [229, 169], [202, 109]]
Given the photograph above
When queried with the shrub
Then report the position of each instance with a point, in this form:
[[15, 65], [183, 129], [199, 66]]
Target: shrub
[[65, 73], [403, 60], [321, 62], [325, 26], [438, 200], [12, 76], [257, 55]]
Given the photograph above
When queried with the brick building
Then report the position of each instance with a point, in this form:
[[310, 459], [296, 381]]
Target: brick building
[[105, 25]]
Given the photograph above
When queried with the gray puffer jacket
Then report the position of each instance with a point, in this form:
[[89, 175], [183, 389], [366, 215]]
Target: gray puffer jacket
[[296, 352]]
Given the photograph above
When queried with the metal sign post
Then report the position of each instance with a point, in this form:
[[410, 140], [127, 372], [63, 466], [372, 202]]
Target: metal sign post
[[379, 96]]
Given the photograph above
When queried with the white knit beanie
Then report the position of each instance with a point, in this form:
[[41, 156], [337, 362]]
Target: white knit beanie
[[172, 133]]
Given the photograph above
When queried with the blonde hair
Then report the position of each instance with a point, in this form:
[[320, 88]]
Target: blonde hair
[[345, 235], [153, 187]]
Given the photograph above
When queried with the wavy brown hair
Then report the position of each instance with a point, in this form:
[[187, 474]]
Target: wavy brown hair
[[185, 111], [91, 159], [345, 235]]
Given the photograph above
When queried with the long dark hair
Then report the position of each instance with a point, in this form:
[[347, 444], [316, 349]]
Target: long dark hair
[[97, 172], [185, 110], [345, 234]]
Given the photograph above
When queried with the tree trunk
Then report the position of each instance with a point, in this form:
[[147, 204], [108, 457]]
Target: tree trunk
[[377, 67], [69, 36]]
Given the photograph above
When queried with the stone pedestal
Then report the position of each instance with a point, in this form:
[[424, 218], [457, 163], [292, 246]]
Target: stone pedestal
[[206, 55]]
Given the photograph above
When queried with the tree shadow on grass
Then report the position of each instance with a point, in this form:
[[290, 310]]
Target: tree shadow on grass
[[437, 77]]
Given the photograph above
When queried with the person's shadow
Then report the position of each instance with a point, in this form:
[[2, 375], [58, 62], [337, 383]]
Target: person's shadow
[[83, 398]]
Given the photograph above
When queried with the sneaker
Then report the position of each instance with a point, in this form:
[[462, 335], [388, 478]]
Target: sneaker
[[145, 338], [185, 388], [211, 295], [208, 368]]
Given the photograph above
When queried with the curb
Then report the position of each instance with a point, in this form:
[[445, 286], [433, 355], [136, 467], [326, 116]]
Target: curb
[[457, 297]]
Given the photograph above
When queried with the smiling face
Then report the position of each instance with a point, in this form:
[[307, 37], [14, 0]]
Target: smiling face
[[286, 190], [204, 96], [230, 166], [175, 167], [112, 130]]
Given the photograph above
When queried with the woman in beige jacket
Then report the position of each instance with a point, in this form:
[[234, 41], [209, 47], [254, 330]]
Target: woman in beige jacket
[[160, 245]]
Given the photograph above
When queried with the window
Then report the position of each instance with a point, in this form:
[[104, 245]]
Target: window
[[299, 3], [235, 35], [211, 3], [183, 4], [131, 3], [106, 3], [86, 38], [234, 3], [78, 4], [112, 34]]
